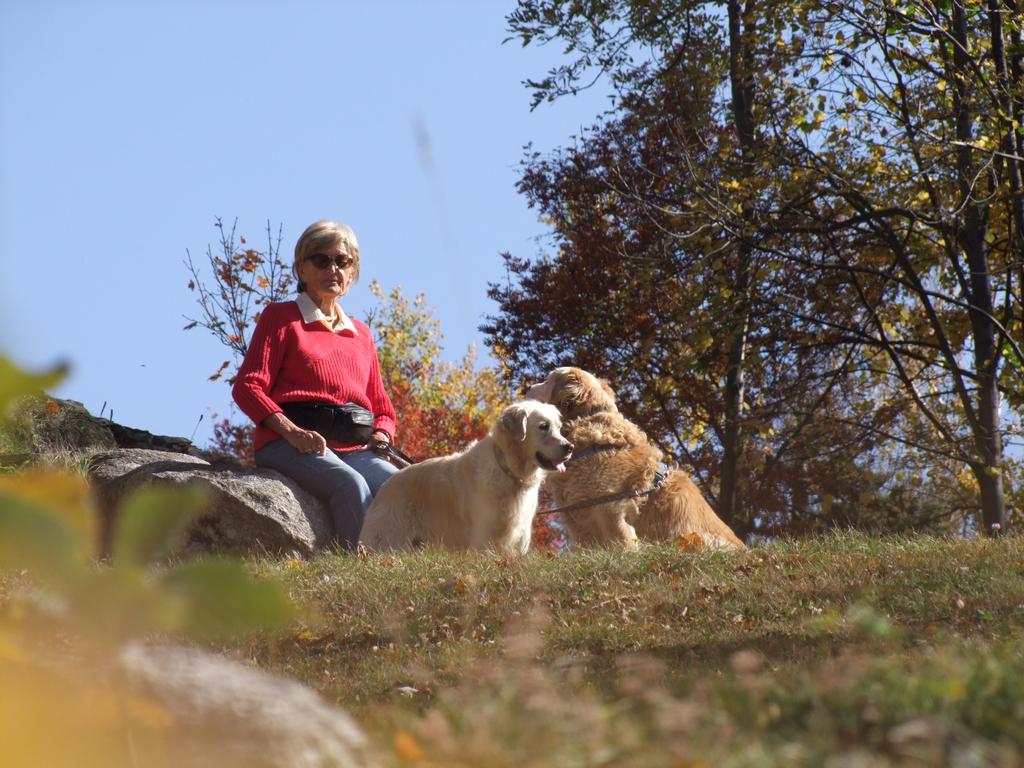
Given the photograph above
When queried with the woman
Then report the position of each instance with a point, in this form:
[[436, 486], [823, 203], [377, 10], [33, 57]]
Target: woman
[[306, 358]]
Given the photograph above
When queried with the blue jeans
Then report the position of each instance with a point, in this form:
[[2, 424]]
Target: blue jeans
[[345, 482]]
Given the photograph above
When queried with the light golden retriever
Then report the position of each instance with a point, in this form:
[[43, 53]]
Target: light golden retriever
[[614, 455], [482, 498]]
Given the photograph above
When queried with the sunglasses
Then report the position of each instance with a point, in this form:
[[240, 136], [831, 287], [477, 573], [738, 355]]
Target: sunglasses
[[323, 261]]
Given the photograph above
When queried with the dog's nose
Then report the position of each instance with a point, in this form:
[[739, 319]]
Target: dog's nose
[[567, 450]]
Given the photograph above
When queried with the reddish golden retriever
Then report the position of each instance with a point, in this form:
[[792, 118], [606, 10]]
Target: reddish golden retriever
[[624, 460]]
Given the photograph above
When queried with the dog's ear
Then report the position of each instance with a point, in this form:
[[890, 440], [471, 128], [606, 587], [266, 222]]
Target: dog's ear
[[570, 393], [577, 392], [514, 421]]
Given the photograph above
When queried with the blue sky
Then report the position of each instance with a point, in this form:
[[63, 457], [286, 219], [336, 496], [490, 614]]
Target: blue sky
[[127, 127]]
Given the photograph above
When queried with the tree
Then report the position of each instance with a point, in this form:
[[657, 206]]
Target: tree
[[629, 298], [441, 406], [605, 36], [637, 206], [698, 176], [245, 281], [799, 181], [910, 168]]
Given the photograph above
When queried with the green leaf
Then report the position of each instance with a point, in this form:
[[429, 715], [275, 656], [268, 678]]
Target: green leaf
[[35, 539], [1010, 354], [116, 603], [16, 383], [221, 601], [151, 522]]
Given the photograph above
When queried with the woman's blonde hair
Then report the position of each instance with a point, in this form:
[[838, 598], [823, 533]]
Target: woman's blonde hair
[[325, 234]]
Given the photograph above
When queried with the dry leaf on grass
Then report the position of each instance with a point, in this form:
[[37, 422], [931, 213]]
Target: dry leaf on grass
[[690, 542], [407, 748]]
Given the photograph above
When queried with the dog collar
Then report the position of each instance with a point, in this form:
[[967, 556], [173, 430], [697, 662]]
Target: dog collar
[[503, 466]]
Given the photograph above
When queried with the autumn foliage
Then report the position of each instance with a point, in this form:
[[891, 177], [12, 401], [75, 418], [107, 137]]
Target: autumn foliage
[[245, 280], [441, 406], [793, 245], [233, 439]]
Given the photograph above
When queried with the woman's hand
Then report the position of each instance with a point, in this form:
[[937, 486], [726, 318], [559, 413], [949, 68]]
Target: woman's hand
[[380, 437], [305, 441]]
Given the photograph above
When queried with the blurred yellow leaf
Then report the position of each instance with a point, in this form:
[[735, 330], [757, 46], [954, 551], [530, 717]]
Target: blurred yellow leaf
[[101, 724], [221, 601], [31, 537], [407, 748], [10, 649], [151, 522], [63, 494], [147, 711]]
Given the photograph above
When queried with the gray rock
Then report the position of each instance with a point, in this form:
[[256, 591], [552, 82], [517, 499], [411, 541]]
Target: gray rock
[[110, 465], [234, 714], [248, 510], [130, 437]]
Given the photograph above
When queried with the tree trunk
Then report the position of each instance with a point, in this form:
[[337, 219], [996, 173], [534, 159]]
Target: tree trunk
[[1016, 79], [987, 434], [1008, 105], [741, 80], [734, 392]]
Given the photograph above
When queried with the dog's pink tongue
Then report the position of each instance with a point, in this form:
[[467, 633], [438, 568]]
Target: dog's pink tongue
[[561, 467]]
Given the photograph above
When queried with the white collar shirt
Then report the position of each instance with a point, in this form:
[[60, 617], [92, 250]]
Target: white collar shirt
[[311, 313]]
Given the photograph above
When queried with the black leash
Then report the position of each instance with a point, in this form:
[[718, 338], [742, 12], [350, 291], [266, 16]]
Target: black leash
[[659, 478], [393, 454], [403, 460]]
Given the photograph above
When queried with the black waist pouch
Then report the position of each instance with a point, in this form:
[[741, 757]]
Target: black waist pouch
[[349, 423]]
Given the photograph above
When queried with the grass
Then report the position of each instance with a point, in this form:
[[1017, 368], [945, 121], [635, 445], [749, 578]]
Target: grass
[[845, 650], [50, 434], [840, 651]]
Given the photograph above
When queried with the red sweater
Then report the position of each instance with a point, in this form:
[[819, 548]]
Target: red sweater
[[289, 360]]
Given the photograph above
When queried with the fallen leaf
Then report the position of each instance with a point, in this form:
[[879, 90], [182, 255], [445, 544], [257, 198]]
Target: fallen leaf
[[690, 542], [407, 748]]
